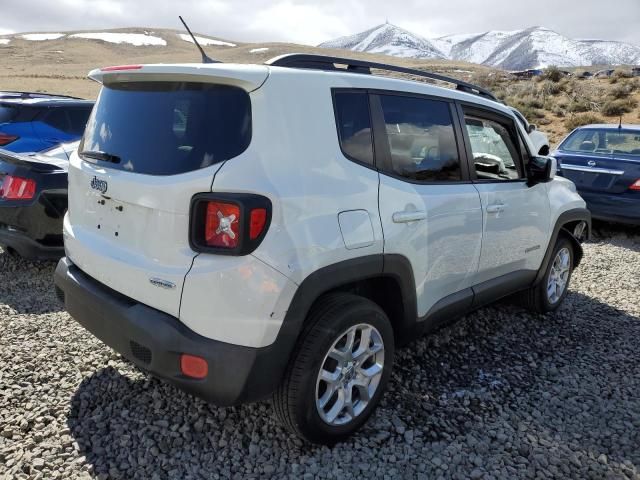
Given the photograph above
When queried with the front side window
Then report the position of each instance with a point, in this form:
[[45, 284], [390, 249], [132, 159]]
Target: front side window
[[603, 141], [167, 128], [495, 156], [421, 139], [354, 125]]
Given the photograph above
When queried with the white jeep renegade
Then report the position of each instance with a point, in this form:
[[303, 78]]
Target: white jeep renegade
[[246, 231]]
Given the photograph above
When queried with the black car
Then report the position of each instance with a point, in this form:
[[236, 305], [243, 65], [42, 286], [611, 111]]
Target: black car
[[33, 201], [604, 163]]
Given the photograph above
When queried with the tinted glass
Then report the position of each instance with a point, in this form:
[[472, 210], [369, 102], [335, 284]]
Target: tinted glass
[[626, 142], [7, 113], [57, 118], [78, 118], [495, 156], [167, 128], [421, 139], [354, 125]]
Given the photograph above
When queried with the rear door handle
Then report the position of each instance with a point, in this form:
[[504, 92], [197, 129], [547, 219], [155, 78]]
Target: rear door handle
[[496, 208], [409, 216]]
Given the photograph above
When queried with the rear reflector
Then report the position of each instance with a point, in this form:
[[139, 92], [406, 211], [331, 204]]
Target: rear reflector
[[6, 139], [17, 188], [192, 366], [635, 186], [115, 68], [257, 222]]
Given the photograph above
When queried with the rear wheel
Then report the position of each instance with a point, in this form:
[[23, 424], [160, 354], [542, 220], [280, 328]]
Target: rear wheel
[[339, 370], [551, 291]]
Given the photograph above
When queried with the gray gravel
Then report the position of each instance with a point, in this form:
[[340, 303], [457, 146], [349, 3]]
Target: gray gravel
[[500, 394]]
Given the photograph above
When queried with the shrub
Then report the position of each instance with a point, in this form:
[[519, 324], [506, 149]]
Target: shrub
[[615, 108], [552, 88], [553, 74], [579, 106], [621, 91], [575, 121]]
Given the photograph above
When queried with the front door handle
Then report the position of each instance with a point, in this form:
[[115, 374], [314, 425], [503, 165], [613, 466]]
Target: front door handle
[[496, 208], [409, 216]]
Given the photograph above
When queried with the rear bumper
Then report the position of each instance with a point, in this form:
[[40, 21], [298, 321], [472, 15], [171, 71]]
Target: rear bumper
[[154, 341], [613, 208], [27, 247]]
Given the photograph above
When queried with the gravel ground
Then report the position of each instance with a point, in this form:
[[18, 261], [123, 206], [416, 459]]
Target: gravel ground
[[500, 394]]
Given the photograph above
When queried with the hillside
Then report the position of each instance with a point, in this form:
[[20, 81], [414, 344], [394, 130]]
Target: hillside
[[533, 47], [59, 61]]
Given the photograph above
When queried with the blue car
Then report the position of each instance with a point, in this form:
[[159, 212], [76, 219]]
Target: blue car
[[35, 122], [604, 163]]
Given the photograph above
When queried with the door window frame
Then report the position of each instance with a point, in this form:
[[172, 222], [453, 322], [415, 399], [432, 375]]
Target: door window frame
[[488, 113]]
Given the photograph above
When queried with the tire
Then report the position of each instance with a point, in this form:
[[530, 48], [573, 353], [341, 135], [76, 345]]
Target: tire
[[539, 298], [302, 395]]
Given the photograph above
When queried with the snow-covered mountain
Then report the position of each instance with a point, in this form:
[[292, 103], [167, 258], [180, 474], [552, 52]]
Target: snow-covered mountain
[[389, 40], [511, 50]]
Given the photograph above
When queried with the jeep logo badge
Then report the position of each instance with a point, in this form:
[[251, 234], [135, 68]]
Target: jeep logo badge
[[591, 163], [99, 185]]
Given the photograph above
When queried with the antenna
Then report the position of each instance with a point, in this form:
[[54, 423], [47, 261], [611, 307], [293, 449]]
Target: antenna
[[205, 58], [620, 124]]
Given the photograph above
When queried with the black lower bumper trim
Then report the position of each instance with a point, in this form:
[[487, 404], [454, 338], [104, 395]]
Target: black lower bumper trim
[[154, 341], [27, 247]]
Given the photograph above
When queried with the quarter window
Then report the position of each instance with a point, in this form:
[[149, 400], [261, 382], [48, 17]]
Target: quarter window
[[354, 125], [421, 139], [495, 156]]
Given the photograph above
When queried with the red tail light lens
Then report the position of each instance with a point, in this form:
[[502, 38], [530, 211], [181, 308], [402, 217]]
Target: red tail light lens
[[194, 367], [635, 186], [6, 139], [16, 188], [257, 222], [222, 228], [228, 223]]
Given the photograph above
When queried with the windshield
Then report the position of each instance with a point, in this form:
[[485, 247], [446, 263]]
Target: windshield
[[167, 128], [604, 141], [7, 113]]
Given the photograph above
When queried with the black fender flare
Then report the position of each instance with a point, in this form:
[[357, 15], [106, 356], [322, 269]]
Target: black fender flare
[[333, 277], [573, 215]]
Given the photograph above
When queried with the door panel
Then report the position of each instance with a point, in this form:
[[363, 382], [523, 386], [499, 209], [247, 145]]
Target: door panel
[[514, 235], [439, 229]]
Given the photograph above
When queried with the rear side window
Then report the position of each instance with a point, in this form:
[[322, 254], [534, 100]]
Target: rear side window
[[421, 139], [354, 125], [167, 128]]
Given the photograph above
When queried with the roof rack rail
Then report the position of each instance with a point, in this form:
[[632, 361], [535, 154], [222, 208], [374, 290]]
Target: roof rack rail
[[323, 62], [16, 94]]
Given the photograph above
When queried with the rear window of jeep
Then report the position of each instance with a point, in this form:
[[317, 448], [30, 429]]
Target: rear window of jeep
[[167, 128]]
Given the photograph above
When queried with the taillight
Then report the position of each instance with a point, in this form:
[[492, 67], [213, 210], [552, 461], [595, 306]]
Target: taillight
[[193, 366], [17, 188], [635, 186], [228, 223], [6, 139]]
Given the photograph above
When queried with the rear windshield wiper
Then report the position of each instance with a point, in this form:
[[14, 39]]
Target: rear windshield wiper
[[98, 155]]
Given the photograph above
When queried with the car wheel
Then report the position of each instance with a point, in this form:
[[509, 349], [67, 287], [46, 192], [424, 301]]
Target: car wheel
[[548, 295], [338, 371]]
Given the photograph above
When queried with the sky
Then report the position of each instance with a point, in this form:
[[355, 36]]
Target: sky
[[312, 22]]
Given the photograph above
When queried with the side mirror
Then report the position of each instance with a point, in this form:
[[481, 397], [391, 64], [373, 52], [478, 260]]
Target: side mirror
[[541, 170], [532, 128]]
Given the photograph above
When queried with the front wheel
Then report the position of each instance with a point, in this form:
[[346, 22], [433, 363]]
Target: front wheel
[[339, 370], [551, 291]]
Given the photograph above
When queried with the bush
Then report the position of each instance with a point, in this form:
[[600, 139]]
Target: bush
[[575, 121], [553, 74], [616, 108], [552, 88], [579, 106], [621, 91]]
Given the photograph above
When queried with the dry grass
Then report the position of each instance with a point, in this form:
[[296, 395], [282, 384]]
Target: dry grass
[[555, 104]]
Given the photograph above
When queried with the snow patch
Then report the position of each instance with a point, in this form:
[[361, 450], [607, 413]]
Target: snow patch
[[206, 41], [39, 37], [137, 39], [4, 41], [258, 50]]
